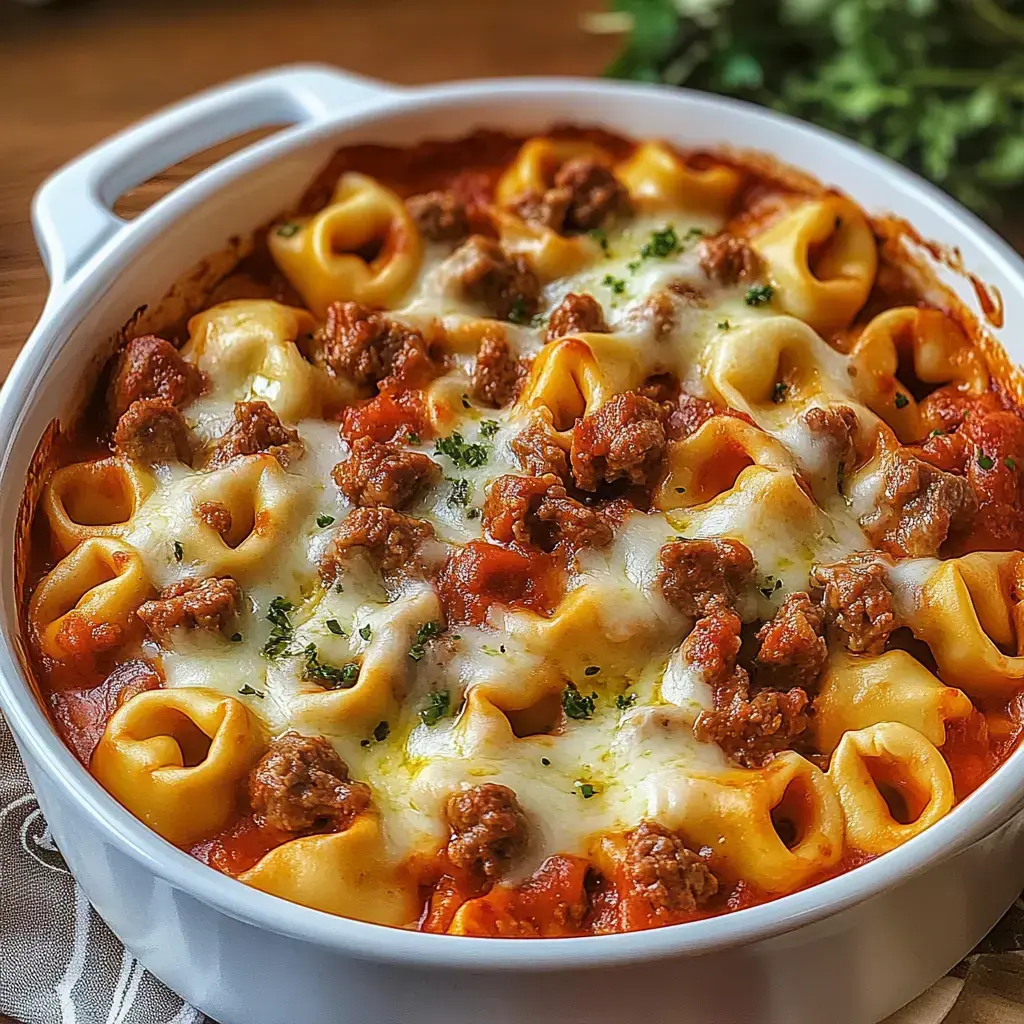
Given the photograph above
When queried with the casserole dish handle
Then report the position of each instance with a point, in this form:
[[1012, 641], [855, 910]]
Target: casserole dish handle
[[72, 213]]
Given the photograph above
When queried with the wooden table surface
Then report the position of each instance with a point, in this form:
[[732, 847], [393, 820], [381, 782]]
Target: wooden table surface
[[73, 73]]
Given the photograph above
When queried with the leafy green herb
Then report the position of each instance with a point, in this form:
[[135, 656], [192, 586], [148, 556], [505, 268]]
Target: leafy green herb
[[1009, 463], [179, 551], [901, 401], [724, 325], [288, 228], [936, 85], [759, 294], [465, 456], [438, 704], [492, 651], [412, 437], [488, 428], [633, 266], [459, 492], [324, 520], [600, 236], [779, 392], [250, 691], [381, 732], [661, 244], [985, 461], [473, 513], [281, 629], [544, 761], [365, 632], [518, 313], [578, 705], [330, 676], [592, 670], [680, 490], [427, 632], [625, 700], [236, 638], [616, 284], [335, 627], [585, 789], [937, 432]]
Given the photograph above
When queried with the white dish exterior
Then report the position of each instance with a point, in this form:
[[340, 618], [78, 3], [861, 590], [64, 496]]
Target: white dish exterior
[[848, 951]]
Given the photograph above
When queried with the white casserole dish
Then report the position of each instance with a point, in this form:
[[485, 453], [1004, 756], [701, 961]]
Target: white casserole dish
[[848, 951]]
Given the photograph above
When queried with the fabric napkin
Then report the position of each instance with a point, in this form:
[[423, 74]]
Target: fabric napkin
[[60, 964]]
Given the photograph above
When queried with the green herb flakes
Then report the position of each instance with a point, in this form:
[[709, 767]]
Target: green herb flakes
[[625, 700], [324, 520], [463, 455], [578, 705], [759, 295], [427, 632], [250, 691], [334, 626], [179, 551], [438, 704]]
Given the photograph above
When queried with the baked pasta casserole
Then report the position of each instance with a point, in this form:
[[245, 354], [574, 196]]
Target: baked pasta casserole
[[539, 537]]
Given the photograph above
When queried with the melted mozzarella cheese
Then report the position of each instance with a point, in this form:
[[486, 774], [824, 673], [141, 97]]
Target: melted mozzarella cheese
[[581, 778]]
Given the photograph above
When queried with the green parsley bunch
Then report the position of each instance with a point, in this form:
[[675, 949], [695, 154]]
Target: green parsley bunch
[[937, 85]]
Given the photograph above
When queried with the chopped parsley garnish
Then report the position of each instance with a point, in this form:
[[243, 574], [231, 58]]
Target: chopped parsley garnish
[[585, 789], [779, 392], [288, 228], [330, 676], [465, 456], [179, 551], [985, 461], [427, 632], [438, 705], [616, 284], [577, 705], [901, 400], [600, 236], [661, 244], [517, 313], [544, 761], [680, 490], [625, 700], [382, 732], [770, 585], [324, 520], [759, 294], [592, 670], [365, 632], [633, 266], [460, 490], [1009, 463], [251, 691], [339, 588], [724, 325], [412, 437], [488, 428], [236, 638], [473, 513], [281, 628], [937, 432], [335, 627]]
